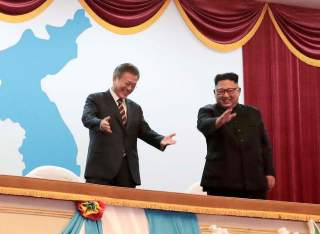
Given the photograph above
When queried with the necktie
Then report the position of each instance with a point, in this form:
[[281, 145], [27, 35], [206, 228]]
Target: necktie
[[122, 111]]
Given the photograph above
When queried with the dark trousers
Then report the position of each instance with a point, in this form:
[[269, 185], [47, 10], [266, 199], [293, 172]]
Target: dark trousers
[[122, 179], [237, 193]]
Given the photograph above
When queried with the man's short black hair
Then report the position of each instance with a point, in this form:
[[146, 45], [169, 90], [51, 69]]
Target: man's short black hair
[[226, 76], [125, 67]]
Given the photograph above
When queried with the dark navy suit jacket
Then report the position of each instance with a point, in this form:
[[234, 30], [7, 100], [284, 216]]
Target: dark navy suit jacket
[[106, 150]]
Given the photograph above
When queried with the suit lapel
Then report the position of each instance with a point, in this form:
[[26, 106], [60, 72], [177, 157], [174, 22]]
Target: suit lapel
[[129, 112]]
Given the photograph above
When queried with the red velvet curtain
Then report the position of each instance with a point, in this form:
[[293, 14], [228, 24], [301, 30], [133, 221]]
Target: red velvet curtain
[[19, 7], [301, 27], [287, 91], [125, 13], [223, 21]]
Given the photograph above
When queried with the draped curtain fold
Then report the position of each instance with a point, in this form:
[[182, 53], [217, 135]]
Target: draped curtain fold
[[172, 222], [286, 90], [19, 7], [223, 25], [21, 10], [299, 28], [125, 16]]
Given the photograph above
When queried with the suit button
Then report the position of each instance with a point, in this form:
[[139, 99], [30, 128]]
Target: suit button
[[239, 130]]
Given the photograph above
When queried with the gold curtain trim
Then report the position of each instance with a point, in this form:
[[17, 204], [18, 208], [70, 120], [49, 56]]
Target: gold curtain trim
[[121, 30], [297, 53], [159, 205], [219, 46], [27, 16]]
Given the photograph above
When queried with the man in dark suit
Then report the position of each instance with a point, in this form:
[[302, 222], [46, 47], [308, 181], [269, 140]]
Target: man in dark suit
[[115, 123], [239, 156]]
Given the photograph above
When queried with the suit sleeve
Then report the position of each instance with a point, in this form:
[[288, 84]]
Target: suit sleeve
[[147, 134], [206, 121], [90, 114], [266, 150]]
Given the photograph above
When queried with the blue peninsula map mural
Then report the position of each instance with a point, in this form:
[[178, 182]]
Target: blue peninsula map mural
[[48, 141]]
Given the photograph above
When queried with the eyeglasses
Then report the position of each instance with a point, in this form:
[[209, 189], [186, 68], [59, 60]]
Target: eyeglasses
[[230, 91]]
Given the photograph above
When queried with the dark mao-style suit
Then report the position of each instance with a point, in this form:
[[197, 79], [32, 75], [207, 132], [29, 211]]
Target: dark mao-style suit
[[238, 154], [107, 150]]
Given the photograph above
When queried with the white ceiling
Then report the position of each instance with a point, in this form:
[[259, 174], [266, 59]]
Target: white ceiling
[[303, 3]]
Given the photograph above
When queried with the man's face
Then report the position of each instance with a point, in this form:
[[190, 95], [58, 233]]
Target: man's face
[[125, 84], [227, 93]]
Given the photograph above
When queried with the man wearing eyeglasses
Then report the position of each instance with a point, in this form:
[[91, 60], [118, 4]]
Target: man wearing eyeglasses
[[239, 157]]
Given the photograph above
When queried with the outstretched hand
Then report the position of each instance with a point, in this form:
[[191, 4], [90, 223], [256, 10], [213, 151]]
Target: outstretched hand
[[168, 140], [105, 125], [226, 117]]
